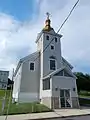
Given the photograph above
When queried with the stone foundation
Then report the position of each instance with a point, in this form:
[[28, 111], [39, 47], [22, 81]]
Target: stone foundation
[[46, 101], [75, 102], [53, 102]]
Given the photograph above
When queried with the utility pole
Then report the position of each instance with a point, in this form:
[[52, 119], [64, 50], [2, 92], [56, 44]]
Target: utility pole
[[10, 97]]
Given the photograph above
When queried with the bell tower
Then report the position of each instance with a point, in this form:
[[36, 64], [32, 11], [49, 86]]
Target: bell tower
[[49, 45]]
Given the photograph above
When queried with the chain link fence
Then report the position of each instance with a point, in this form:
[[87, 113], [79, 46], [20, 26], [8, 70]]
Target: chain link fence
[[2, 105]]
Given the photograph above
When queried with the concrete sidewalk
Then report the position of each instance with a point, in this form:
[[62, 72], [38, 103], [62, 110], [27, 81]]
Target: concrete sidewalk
[[57, 114]]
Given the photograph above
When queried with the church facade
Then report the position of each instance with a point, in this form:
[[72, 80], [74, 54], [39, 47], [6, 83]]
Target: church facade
[[45, 76]]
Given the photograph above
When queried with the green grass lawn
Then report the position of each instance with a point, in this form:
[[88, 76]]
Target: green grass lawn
[[2, 93], [21, 108], [85, 94], [84, 101]]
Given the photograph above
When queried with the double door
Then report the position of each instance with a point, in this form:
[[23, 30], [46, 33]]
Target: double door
[[65, 98]]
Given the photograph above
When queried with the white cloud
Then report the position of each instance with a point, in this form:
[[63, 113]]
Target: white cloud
[[75, 41], [20, 42]]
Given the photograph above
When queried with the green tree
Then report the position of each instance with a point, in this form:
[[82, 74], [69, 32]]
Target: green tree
[[83, 81]]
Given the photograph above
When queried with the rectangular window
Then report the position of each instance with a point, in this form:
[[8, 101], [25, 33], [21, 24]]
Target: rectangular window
[[55, 39], [47, 37], [52, 47], [46, 84], [32, 66], [52, 65]]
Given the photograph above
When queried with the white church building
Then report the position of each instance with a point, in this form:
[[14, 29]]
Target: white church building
[[45, 76]]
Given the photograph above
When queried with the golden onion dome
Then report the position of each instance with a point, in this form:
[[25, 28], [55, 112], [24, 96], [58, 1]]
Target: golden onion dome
[[47, 24]]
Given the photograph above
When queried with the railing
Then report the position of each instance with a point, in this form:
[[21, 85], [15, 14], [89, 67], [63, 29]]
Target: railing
[[65, 102]]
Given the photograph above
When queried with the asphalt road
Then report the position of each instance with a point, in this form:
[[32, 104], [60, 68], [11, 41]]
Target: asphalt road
[[74, 118], [78, 118]]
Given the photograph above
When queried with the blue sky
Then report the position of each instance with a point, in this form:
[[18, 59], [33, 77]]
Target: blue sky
[[20, 9], [25, 19]]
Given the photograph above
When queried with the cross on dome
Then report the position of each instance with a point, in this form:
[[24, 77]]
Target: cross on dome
[[48, 14], [47, 23]]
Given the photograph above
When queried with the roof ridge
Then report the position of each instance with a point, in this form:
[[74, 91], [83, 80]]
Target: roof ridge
[[29, 55]]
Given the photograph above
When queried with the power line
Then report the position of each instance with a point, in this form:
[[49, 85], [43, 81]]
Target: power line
[[46, 48], [60, 27], [68, 16]]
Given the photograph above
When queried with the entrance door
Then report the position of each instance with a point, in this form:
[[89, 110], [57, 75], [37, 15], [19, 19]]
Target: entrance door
[[65, 98]]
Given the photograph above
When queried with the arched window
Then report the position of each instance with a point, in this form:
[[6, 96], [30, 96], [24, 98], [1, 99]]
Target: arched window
[[52, 57]]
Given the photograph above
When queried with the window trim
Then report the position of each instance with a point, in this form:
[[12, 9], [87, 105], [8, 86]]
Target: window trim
[[52, 57], [53, 46], [29, 65], [55, 64], [46, 87]]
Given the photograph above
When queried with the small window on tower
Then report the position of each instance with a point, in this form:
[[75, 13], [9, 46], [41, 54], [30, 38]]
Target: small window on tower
[[47, 37], [55, 39], [52, 47], [32, 66]]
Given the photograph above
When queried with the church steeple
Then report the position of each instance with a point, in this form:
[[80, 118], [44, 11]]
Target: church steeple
[[47, 24]]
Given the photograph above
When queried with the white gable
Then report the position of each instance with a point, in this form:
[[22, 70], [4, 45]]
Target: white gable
[[58, 72]]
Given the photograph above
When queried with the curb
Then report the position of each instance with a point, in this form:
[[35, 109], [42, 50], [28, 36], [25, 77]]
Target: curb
[[59, 117]]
